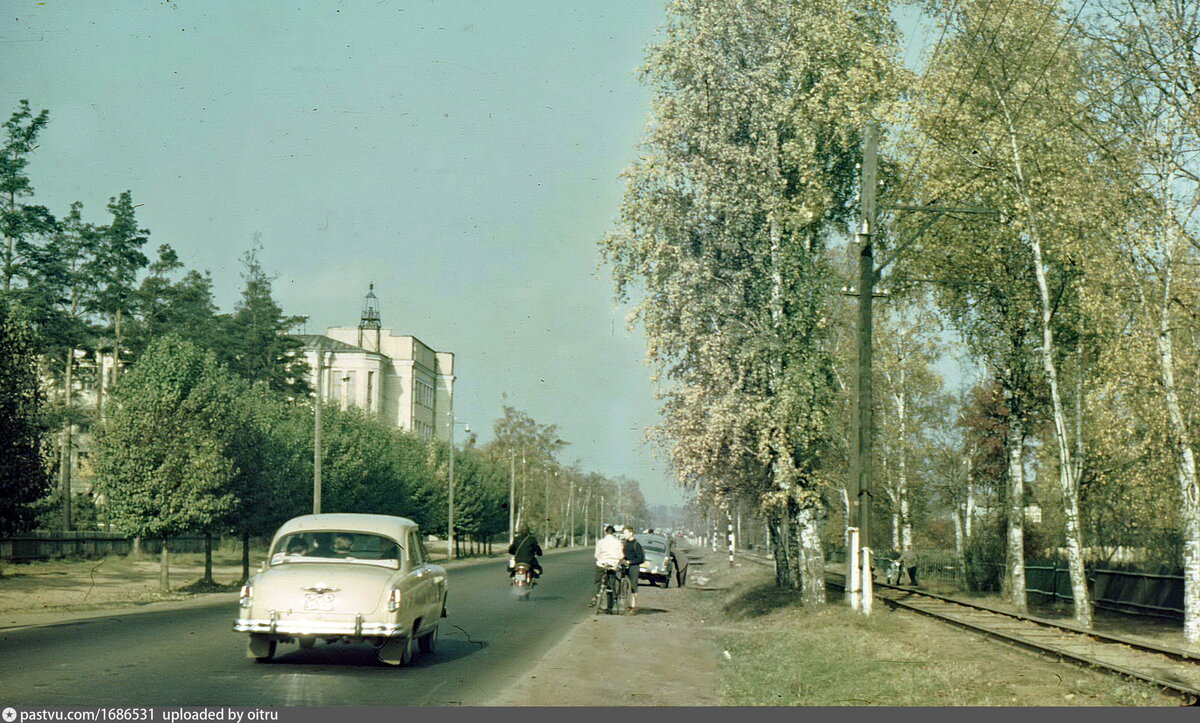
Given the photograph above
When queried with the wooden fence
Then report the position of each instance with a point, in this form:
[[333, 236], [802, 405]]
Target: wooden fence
[[31, 546]]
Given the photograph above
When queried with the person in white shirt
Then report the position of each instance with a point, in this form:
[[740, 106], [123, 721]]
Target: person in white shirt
[[609, 553]]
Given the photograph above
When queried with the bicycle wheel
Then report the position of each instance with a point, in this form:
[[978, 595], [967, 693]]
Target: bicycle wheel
[[624, 591]]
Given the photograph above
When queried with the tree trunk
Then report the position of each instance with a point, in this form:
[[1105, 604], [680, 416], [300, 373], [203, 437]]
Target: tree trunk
[[1015, 579], [68, 442], [812, 556], [99, 384], [902, 467], [117, 348], [164, 576], [778, 528], [1068, 485], [1185, 465], [208, 578], [970, 511], [245, 556]]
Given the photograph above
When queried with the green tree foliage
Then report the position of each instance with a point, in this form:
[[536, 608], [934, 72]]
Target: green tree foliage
[[165, 457], [369, 466], [256, 343], [183, 307], [23, 472], [117, 261], [746, 169], [20, 222], [1003, 106]]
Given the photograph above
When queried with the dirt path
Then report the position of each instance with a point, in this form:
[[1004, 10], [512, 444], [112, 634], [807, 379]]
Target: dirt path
[[653, 658]]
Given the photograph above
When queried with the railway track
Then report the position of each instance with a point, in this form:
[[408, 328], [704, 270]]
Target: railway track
[[1173, 670]]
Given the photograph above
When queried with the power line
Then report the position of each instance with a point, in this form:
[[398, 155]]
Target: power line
[[953, 82]]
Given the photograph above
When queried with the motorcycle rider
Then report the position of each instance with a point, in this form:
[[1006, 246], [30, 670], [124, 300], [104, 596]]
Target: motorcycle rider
[[524, 548], [609, 554]]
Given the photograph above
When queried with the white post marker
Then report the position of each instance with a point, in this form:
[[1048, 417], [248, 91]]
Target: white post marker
[[868, 587], [854, 584], [731, 545]]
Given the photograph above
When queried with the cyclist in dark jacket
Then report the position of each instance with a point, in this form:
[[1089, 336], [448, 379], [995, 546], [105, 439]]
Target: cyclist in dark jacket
[[634, 556], [525, 548]]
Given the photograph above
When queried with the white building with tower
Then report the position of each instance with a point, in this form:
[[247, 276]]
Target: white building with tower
[[397, 377]]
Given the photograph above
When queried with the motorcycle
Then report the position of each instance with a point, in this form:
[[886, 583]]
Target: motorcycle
[[522, 580]]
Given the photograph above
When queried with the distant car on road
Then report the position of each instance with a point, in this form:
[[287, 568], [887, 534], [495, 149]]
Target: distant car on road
[[660, 562], [351, 577]]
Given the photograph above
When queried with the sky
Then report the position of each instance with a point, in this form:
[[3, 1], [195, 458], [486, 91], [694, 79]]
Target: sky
[[464, 158]]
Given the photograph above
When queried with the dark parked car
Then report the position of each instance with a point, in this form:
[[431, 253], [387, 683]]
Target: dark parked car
[[661, 563]]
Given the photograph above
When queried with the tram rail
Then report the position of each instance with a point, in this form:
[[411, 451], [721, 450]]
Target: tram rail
[[1171, 669]]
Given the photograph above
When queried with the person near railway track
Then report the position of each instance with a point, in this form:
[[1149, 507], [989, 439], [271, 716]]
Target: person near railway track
[[634, 557], [907, 563], [609, 554], [524, 548]]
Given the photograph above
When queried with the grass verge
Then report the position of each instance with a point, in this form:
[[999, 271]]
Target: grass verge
[[777, 652]]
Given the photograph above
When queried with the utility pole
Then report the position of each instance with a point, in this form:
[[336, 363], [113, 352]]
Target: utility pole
[[450, 502], [512, 495], [862, 422], [317, 429], [571, 515]]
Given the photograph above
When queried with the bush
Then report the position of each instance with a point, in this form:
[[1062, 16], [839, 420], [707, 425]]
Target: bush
[[984, 558]]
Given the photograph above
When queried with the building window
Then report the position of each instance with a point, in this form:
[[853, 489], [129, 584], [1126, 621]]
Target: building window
[[370, 390], [424, 394]]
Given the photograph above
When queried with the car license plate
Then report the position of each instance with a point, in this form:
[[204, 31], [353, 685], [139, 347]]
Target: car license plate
[[315, 601]]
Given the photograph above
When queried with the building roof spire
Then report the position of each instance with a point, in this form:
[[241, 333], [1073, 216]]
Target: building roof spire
[[370, 313]]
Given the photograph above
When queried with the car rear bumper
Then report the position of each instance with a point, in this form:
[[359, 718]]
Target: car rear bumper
[[320, 628]]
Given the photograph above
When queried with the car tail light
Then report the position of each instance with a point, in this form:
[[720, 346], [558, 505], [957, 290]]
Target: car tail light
[[393, 603], [247, 596]]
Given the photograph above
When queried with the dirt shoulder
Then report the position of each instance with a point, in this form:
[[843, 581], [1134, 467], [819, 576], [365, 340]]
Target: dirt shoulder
[[657, 657]]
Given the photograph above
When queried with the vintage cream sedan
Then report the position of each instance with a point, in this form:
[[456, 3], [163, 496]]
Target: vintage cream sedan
[[345, 577]]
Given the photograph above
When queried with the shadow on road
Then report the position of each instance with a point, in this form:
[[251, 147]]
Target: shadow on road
[[451, 646]]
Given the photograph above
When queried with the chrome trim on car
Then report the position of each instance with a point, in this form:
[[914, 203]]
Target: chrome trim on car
[[356, 629], [321, 589]]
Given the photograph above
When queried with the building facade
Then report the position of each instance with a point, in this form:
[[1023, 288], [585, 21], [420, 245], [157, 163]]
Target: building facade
[[397, 377]]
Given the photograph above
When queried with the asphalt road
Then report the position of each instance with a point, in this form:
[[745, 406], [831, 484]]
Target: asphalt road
[[192, 656]]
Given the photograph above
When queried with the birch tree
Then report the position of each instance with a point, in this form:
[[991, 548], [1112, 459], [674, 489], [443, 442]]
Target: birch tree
[[747, 168], [1153, 57], [1002, 141]]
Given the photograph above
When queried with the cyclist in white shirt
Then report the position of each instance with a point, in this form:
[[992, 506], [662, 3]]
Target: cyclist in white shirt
[[609, 553]]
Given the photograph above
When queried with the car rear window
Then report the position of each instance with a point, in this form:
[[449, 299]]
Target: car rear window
[[335, 546], [653, 546]]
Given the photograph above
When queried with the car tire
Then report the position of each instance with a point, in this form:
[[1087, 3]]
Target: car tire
[[306, 643], [261, 647], [428, 642]]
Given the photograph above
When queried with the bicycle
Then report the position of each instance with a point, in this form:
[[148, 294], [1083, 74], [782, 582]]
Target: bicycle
[[615, 590], [610, 586], [624, 590]]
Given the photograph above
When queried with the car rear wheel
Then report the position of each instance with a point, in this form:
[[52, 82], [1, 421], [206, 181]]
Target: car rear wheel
[[428, 641], [261, 647]]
